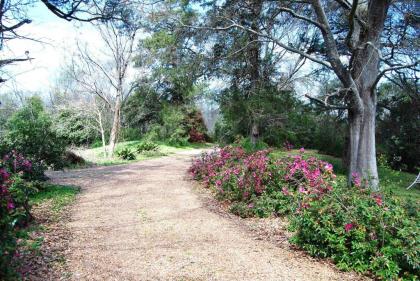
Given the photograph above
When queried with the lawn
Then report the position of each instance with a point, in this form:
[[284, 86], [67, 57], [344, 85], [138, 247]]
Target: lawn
[[96, 155], [57, 196], [392, 181]]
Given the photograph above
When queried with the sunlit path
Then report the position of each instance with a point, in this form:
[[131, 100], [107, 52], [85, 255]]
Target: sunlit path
[[143, 221]]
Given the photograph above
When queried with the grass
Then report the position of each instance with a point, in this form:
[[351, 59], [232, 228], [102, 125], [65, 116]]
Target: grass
[[52, 198], [97, 156], [392, 181], [58, 196]]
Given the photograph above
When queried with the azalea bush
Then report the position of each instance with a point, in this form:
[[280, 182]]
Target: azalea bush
[[14, 206], [268, 186], [358, 229]]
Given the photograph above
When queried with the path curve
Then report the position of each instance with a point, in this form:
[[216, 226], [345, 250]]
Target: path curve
[[143, 221]]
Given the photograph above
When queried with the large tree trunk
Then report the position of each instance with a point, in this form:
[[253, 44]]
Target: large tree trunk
[[366, 159], [364, 68], [362, 150], [115, 127], [254, 134]]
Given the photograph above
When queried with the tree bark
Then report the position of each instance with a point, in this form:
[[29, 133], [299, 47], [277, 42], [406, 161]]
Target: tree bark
[[366, 159], [362, 149], [115, 127], [254, 134], [102, 131]]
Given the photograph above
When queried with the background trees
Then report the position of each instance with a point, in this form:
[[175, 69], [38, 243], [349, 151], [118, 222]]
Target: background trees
[[359, 49], [255, 60], [108, 78]]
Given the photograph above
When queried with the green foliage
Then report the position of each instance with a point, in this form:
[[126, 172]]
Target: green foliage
[[241, 209], [329, 135], [360, 230], [141, 111], [75, 127], [281, 117], [30, 132], [126, 154], [399, 127], [247, 145], [97, 143], [178, 126], [146, 146], [129, 134]]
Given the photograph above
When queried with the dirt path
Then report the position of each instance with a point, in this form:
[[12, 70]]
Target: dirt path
[[143, 221]]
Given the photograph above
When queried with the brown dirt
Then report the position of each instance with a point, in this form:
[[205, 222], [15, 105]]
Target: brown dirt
[[147, 221]]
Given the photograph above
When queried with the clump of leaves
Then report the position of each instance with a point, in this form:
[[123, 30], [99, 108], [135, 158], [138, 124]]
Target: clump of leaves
[[147, 146], [126, 154]]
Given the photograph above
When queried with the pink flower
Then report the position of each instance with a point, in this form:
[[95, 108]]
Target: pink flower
[[378, 199], [357, 181], [251, 205], [302, 150], [328, 167], [348, 227], [218, 183], [285, 191], [10, 205], [4, 174], [302, 190]]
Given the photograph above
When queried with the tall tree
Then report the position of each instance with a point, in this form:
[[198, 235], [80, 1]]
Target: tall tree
[[360, 41], [246, 61], [109, 77]]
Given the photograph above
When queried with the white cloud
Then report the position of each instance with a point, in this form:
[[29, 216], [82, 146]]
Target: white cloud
[[58, 43]]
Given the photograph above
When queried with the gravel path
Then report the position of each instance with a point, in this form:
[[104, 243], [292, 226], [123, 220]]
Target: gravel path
[[144, 221]]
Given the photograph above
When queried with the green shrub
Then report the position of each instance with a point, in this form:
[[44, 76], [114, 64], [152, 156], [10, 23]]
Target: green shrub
[[247, 145], [360, 230], [76, 127], [146, 146], [130, 134], [29, 131], [97, 143], [242, 209], [126, 154]]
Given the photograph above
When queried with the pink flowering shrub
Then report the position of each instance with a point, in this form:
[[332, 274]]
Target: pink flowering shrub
[[357, 228], [208, 165], [14, 206], [360, 230], [265, 185]]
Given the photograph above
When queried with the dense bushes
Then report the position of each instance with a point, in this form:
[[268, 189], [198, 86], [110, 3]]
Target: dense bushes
[[146, 146], [76, 127], [14, 205], [399, 127], [179, 125], [30, 131], [358, 229]]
